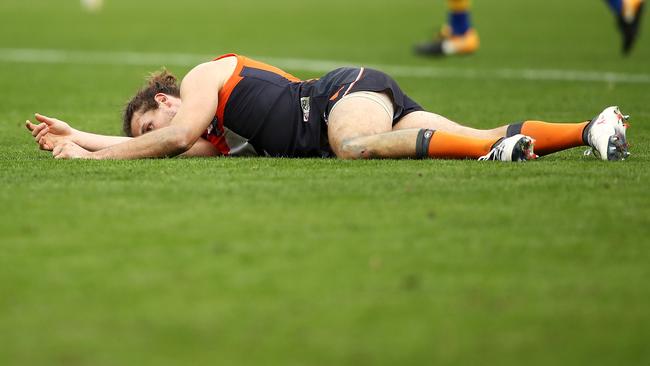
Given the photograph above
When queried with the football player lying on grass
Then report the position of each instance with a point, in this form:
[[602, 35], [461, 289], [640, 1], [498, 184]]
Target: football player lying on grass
[[234, 105]]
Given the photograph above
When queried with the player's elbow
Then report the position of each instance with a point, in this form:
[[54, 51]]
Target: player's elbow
[[181, 141], [181, 145]]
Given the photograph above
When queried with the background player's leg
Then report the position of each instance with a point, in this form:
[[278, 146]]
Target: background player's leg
[[456, 37], [459, 18], [628, 17]]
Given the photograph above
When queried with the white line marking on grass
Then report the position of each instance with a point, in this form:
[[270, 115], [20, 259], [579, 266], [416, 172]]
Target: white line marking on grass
[[433, 72]]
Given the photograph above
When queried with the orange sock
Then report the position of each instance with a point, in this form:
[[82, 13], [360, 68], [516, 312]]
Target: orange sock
[[445, 145], [550, 137]]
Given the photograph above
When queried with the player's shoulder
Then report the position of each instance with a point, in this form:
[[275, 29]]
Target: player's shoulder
[[215, 72]]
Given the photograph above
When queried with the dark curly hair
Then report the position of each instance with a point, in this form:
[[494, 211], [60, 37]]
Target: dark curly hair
[[158, 82]]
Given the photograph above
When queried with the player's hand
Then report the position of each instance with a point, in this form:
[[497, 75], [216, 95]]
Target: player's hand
[[50, 132], [70, 150]]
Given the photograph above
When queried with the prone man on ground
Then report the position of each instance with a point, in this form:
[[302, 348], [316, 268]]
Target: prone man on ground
[[234, 106]]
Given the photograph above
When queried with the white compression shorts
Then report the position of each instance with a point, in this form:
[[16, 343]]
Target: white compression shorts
[[380, 98]]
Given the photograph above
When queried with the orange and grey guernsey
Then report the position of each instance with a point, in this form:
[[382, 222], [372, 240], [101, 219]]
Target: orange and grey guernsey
[[281, 115]]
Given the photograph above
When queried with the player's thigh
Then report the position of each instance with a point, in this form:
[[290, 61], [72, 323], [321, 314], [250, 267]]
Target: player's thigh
[[359, 114], [432, 121], [428, 120]]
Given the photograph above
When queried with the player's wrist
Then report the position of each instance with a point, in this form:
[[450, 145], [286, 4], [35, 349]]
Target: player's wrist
[[75, 136]]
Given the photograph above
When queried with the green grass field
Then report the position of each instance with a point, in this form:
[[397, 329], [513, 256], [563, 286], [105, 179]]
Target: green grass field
[[262, 261]]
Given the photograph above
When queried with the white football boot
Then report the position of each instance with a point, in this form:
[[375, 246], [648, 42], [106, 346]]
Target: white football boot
[[606, 135], [515, 148]]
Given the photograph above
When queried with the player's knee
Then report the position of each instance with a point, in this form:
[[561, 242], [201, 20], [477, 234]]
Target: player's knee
[[353, 149]]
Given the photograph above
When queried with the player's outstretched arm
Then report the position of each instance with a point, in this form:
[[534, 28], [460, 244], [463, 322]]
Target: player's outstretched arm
[[199, 101], [52, 132]]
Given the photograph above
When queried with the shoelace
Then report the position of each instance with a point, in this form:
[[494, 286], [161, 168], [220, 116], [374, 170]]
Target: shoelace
[[494, 154]]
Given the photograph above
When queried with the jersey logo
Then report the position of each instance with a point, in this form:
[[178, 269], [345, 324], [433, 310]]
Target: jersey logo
[[304, 104]]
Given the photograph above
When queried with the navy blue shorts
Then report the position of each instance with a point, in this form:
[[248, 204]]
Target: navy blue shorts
[[343, 81], [296, 125]]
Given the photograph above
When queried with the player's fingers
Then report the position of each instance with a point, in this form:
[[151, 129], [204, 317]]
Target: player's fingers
[[44, 119], [45, 144], [38, 129], [39, 117], [30, 126], [42, 134], [57, 150]]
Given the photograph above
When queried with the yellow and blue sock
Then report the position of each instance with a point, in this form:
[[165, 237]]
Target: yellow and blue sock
[[459, 19]]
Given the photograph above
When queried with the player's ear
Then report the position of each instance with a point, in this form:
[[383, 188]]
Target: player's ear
[[161, 98]]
